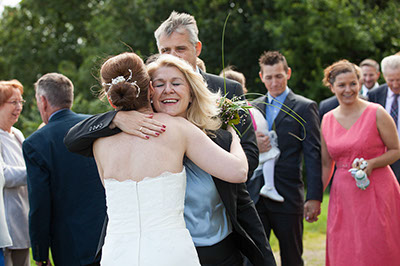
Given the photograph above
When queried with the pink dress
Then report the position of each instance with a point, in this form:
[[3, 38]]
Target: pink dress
[[363, 225]]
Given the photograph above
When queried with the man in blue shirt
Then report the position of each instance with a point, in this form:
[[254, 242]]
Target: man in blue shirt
[[294, 142]]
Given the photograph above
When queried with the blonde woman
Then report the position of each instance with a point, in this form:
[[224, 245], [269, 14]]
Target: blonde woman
[[145, 180]]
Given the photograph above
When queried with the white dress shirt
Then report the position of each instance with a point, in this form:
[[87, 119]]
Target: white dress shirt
[[364, 90]]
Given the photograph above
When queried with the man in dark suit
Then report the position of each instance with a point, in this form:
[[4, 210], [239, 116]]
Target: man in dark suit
[[66, 197], [218, 241], [294, 142], [327, 105], [387, 95]]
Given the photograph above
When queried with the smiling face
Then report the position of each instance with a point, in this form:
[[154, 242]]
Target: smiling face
[[172, 93], [275, 78], [370, 76], [392, 77], [10, 110], [178, 44], [346, 87]]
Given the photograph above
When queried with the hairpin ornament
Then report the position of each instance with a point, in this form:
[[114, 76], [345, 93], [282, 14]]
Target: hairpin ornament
[[119, 79]]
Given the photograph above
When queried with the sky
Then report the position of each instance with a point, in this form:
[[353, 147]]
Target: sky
[[8, 3]]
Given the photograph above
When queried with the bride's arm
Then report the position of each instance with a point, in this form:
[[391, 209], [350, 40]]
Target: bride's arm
[[229, 166]]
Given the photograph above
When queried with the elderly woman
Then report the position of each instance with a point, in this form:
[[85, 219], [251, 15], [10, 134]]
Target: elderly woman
[[5, 239], [13, 165]]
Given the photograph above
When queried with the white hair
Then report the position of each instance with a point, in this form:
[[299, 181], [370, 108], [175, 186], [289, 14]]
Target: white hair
[[390, 62]]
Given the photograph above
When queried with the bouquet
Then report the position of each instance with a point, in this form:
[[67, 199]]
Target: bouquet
[[232, 110], [359, 174]]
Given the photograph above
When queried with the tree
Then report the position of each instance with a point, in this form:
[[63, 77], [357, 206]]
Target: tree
[[74, 37]]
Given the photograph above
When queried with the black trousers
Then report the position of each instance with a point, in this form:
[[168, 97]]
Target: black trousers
[[224, 253], [288, 228], [94, 264]]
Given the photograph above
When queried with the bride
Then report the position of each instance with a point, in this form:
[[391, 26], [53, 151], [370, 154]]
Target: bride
[[144, 178]]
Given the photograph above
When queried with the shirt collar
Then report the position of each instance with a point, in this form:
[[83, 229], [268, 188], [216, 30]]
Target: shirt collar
[[280, 98]]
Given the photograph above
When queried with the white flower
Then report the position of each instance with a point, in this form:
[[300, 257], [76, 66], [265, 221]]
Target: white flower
[[117, 80]]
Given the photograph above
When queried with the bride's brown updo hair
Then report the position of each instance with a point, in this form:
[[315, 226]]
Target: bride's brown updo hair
[[131, 81]]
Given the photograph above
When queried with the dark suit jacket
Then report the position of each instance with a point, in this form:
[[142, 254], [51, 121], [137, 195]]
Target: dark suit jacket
[[67, 199], [247, 225], [327, 105], [378, 95], [288, 168]]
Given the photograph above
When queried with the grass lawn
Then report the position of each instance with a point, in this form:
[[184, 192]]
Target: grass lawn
[[314, 237]]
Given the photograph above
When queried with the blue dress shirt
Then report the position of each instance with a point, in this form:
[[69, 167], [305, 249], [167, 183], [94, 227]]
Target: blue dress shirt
[[271, 112], [205, 214]]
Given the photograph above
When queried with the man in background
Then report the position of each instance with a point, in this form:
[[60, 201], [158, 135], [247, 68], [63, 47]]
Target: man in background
[[66, 197], [387, 95], [295, 143]]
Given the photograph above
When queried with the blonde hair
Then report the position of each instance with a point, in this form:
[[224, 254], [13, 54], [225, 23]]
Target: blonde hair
[[203, 111]]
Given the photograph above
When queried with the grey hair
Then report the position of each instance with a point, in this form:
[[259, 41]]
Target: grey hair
[[178, 22], [390, 62], [57, 88]]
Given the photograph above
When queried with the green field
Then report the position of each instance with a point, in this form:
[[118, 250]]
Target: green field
[[313, 238]]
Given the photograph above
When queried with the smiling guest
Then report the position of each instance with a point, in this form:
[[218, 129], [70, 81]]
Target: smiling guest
[[220, 216], [387, 96], [357, 234], [370, 76], [12, 161]]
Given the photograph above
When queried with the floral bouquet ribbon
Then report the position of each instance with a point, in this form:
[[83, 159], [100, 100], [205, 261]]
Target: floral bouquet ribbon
[[232, 110], [359, 174]]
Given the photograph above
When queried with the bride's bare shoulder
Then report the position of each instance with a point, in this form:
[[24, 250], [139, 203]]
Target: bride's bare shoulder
[[173, 120]]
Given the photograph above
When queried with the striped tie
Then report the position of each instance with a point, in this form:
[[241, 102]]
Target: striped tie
[[394, 110]]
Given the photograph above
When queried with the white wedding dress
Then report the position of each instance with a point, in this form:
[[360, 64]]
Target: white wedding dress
[[146, 225]]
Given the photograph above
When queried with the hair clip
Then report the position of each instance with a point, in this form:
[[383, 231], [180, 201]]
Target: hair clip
[[119, 79]]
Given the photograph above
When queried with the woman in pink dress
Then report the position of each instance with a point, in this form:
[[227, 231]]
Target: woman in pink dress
[[363, 225]]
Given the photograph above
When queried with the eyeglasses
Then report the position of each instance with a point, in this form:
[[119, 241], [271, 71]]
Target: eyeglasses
[[15, 103]]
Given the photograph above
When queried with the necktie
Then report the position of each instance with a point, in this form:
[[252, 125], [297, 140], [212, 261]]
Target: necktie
[[394, 110], [270, 115]]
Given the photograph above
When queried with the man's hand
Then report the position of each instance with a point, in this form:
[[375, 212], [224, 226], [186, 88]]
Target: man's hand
[[312, 208], [263, 142], [137, 124]]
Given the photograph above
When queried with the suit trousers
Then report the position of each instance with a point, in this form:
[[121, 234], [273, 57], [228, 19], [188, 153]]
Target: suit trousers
[[396, 169], [224, 253], [288, 228]]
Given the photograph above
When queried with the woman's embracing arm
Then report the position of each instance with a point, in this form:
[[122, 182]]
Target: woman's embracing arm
[[229, 166]]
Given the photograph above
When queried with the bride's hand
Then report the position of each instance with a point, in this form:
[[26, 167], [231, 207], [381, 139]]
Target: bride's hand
[[138, 124]]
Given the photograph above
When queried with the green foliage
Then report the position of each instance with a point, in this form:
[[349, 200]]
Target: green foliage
[[74, 37]]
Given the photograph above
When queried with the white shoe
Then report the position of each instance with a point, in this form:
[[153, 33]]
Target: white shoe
[[270, 192]]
